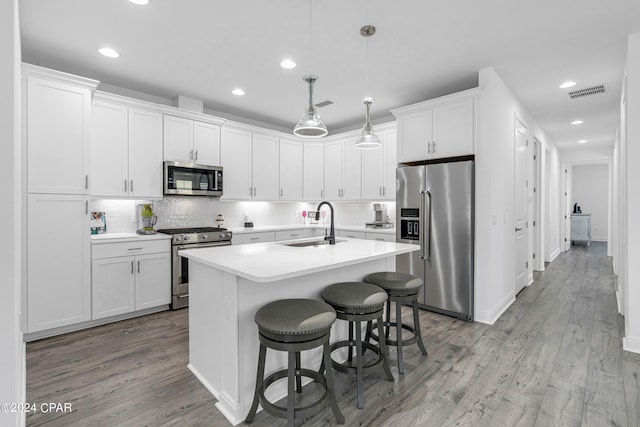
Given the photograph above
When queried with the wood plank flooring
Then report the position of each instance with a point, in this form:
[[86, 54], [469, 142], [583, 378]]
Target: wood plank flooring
[[554, 358]]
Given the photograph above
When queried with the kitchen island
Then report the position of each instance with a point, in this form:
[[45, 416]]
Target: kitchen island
[[228, 284]]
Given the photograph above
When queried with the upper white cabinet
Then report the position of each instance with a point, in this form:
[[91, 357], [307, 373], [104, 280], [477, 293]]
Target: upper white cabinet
[[379, 168], [313, 171], [437, 129], [187, 140], [291, 159], [127, 151], [58, 131], [58, 269], [342, 170], [250, 163]]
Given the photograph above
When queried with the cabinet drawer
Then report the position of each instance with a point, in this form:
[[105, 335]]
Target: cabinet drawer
[[110, 250], [241, 239], [351, 234], [295, 234], [385, 237]]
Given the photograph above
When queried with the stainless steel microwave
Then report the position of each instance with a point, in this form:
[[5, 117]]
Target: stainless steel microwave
[[189, 179]]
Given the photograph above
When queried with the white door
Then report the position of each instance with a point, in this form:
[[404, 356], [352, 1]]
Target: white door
[[110, 150], [153, 280], [333, 170], [206, 143], [112, 286], [313, 171], [145, 154], [265, 175], [235, 156], [520, 206], [290, 170]]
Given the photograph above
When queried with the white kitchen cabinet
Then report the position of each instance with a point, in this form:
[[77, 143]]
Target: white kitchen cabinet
[[313, 171], [250, 164], [187, 140], [58, 133], [342, 170], [265, 170], [291, 160], [126, 151], [58, 282], [379, 168], [384, 237], [581, 228], [257, 237], [351, 234], [130, 276], [436, 129], [300, 233]]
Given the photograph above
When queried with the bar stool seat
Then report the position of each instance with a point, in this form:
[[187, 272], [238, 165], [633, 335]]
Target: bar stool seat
[[402, 288], [294, 325], [358, 302]]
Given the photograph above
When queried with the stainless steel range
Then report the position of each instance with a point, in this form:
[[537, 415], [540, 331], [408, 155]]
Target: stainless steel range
[[189, 238]]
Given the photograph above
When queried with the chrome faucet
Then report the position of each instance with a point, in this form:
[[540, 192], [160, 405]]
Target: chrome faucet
[[331, 238]]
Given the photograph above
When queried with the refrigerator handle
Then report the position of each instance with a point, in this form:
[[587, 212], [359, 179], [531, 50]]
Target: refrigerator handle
[[422, 219], [426, 225]]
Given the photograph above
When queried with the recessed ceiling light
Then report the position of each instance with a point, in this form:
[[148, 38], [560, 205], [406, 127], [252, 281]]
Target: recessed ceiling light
[[577, 122], [238, 92], [582, 141], [107, 51], [140, 2], [567, 84], [288, 64]]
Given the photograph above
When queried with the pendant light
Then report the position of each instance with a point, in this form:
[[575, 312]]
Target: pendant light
[[310, 125], [367, 140]]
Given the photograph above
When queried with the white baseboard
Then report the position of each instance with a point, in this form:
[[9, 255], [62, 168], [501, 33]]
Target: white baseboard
[[490, 316], [619, 303], [631, 344], [554, 254]]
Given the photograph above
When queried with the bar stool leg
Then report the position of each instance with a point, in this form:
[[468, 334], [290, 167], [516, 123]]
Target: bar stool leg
[[399, 336], [259, 378], [384, 350], [388, 324], [291, 401], [350, 348], [326, 357], [416, 325], [298, 376], [359, 364]]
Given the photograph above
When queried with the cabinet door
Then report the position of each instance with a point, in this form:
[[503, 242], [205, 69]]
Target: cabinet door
[[453, 129], [265, 168], [313, 188], [244, 238], [333, 170], [415, 132], [153, 280], [145, 154], [58, 278], [112, 282], [109, 152], [178, 139], [58, 137], [290, 170], [373, 172], [389, 164], [235, 156], [351, 171], [206, 143]]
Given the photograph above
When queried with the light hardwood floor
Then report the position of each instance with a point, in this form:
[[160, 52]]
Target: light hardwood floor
[[553, 358]]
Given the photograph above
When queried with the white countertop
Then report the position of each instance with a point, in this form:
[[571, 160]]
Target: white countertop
[[126, 237], [267, 228], [273, 261]]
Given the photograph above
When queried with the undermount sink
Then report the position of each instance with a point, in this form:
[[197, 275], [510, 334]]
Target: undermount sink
[[310, 243]]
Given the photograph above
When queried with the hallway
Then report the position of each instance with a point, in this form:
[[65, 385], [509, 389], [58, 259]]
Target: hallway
[[554, 358]]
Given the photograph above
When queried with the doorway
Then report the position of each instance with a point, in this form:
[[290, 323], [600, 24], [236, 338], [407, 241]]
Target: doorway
[[521, 144]]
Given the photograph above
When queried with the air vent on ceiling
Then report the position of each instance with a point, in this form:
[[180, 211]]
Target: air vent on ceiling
[[586, 92], [324, 103]]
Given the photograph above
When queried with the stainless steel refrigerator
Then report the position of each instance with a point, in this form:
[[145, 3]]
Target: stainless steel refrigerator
[[435, 209]]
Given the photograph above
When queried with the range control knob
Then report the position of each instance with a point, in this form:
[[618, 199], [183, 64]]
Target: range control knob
[[186, 237], [205, 236], [177, 238], [223, 235]]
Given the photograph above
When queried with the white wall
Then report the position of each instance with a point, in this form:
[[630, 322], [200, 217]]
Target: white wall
[[495, 238], [590, 189], [12, 351]]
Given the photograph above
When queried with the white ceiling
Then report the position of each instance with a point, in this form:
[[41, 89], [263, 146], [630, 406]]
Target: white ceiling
[[422, 49]]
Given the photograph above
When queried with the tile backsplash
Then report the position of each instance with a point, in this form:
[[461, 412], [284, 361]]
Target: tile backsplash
[[181, 211]]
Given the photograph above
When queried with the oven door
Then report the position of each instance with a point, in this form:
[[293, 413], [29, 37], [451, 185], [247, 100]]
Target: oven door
[[180, 272]]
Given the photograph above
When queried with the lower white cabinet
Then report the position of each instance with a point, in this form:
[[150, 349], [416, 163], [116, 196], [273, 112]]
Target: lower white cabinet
[[244, 238], [384, 237], [301, 233], [350, 234], [58, 282], [130, 276]]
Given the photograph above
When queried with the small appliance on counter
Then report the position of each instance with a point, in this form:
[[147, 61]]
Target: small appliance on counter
[[381, 219], [247, 222], [145, 218]]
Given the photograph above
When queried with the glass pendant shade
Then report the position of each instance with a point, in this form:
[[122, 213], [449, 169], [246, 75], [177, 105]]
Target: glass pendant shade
[[310, 125], [367, 140]]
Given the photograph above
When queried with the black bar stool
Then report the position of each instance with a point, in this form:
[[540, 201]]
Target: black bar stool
[[402, 288], [294, 325], [358, 302]]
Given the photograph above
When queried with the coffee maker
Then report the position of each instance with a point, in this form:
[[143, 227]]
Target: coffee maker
[[381, 219], [145, 218]]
